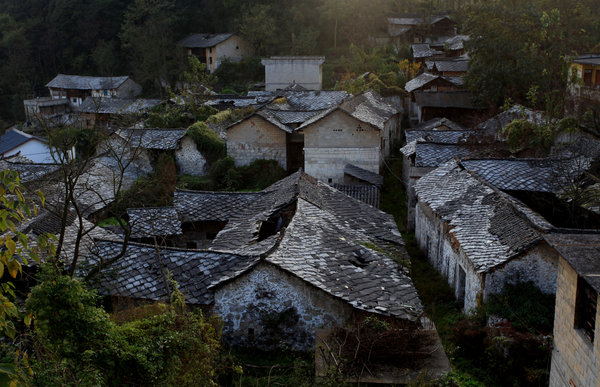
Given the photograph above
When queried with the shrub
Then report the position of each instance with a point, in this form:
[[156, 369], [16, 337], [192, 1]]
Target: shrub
[[260, 174], [207, 142], [198, 183]]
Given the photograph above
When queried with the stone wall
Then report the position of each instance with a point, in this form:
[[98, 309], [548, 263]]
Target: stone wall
[[188, 158], [270, 309], [327, 164], [255, 138], [575, 360], [539, 265]]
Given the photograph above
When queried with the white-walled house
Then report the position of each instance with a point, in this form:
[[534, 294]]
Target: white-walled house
[[212, 49], [34, 148], [76, 88], [480, 238]]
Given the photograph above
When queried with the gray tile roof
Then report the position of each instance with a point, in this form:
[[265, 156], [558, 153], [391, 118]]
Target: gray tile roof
[[436, 123], [366, 193], [313, 100], [423, 50], [517, 174], [368, 107], [164, 139], [406, 21], [329, 254], [81, 82], [271, 117], [198, 206], [592, 59], [419, 81], [141, 272], [27, 169], [104, 105], [454, 65], [363, 174], [489, 226], [581, 251], [13, 138], [501, 120], [204, 40], [154, 221], [430, 154]]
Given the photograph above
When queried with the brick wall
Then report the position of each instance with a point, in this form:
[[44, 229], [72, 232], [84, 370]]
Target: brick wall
[[575, 360], [255, 138]]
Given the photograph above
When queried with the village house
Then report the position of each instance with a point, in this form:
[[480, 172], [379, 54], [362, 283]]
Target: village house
[[47, 109], [15, 142], [480, 238], [359, 131], [448, 67], [427, 84], [585, 71], [144, 145], [108, 112], [269, 132], [213, 49], [412, 28], [76, 88], [297, 257], [305, 71], [576, 338]]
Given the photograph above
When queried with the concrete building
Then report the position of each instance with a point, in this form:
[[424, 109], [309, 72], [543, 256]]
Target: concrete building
[[281, 71], [359, 131], [480, 238], [576, 338], [213, 49], [76, 88]]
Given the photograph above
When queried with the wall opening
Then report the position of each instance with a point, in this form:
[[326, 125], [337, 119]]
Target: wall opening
[[461, 279]]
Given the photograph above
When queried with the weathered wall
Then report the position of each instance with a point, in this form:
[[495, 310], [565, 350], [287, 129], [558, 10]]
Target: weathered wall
[[432, 236], [575, 360], [305, 71], [234, 49], [539, 265], [188, 158], [34, 150], [255, 138], [271, 309], [336, 140]]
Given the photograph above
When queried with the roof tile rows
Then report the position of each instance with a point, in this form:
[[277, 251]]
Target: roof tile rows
[[163, 139], [156, 221], [489, 226], [82, 82]]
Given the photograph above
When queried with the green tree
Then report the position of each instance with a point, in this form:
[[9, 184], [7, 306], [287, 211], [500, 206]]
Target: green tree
[[258, 26]]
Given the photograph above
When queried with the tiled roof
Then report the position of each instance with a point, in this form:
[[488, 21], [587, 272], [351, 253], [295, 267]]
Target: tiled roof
[[489, 226], [103, 105], [204, 40], [330, 254], [439, 136], [419, 81], [591, 59], [430, 154], [455, 65], [517, 174], [293, 117], [141, 272], [167, 139], [516, 112], [581, 251], [27, 169], [271, 117], [423, 50], [363, 174], [367, 107], [198, 206], [436, 123], [156, 221], [366, 193], [80, 82], [406, 21], [14, 138]]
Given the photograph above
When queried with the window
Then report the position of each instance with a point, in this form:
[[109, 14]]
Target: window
[[105, 92], [74, 100], [586, 301], [587, 77], [210, 60]]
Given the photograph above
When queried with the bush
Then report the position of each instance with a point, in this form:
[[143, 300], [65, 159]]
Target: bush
[[197, 183], [178, 116], [78, 344], [207, 142], [155, 190], [260, 174]]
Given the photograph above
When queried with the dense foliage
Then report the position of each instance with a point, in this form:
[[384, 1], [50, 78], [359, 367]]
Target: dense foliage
[[77, 343]]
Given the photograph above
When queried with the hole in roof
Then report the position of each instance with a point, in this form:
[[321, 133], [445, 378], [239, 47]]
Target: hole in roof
[[280, 219]]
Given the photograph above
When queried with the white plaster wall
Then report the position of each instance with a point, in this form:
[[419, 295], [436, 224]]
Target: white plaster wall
[[188, 158], [34, 150], [328, 163], [263, 293], [255, 138], [234, 49], [539, 265], [339, 130], [279, 73]]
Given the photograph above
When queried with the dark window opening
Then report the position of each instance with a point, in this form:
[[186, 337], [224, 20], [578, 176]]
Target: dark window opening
[[460, 284], [276, 222], [587, 77], [586, 302], [250, 334], [211, 235], [190, 245]]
